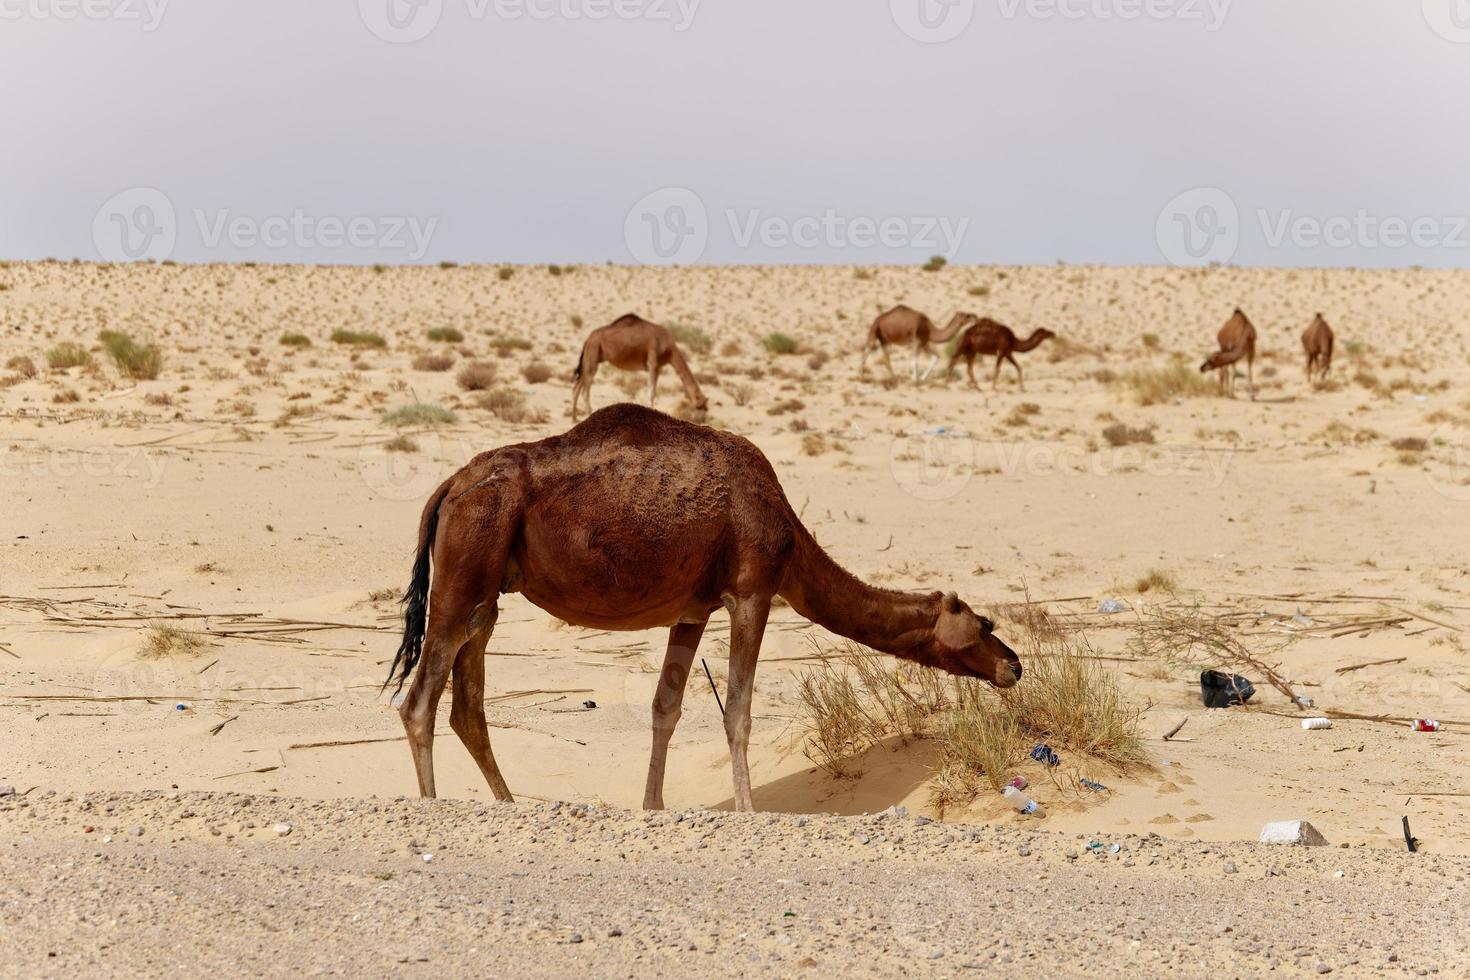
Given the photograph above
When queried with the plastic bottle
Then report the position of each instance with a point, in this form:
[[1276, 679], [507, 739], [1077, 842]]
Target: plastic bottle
[[1023, 803], [1316, 724]]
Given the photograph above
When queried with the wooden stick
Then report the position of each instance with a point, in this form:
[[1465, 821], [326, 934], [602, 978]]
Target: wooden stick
[[1376, 663], [1177, 728], [216, 729], [1426, 619]]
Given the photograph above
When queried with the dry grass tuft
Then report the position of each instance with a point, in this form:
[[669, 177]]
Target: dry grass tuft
[[165, 640], [856, 699], [779, 343], [445, 335], [1157, 580], [1154, 386], [1119, 434], [297, 340], [68, 355], [141, 362], [358, 338], [418, 415], [433, 362], [537, 372], [476, 376], [400, 444], [22, 366], [510, 405], [692, 338]]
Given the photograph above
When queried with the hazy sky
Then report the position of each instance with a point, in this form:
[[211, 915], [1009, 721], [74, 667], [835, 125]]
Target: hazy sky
[[1260, 132]]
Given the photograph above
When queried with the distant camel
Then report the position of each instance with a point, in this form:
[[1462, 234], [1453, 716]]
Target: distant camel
[[1237, 340], [1317, 341], [629, 521], [989, 337], [633, 344], [902, 325]]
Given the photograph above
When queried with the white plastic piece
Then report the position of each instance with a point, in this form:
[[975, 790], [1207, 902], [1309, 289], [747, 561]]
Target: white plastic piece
[[1292, 832]]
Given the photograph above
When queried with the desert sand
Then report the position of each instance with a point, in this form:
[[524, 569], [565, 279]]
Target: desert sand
[[253, 496]]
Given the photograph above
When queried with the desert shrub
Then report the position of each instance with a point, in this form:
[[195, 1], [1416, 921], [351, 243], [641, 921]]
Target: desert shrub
[[504, 273], [66, 396], [814, 444], [779, 343], [786, 405], [358, 338], [537, 372], [445, 335], [1151, 341], [1157, 580], [742, 393], [509, 405], [68, 355], [419, 415], [1119, 434], [476, 376], [141, 362], [295, 340], [504, 345], [166, 640], [935, 263], [401, 444], [23, 366], [1410, 444], [1152, 386], [818, 360], [433, 362], [692, 338]]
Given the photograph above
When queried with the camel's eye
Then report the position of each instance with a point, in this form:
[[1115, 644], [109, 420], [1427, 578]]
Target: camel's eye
[[986, 626]]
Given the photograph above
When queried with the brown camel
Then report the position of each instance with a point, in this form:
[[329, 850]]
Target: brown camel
[[1237, 340], [989, 337], [633, 344], [902, 325], [1317, 341], [629, 521]]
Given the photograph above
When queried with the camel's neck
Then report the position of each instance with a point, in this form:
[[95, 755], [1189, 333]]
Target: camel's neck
[[691, 386], [1030, 342], [829, 595], [957, 321]]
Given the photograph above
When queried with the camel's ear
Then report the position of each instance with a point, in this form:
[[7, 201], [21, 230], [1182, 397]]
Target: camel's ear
[[952, 602]]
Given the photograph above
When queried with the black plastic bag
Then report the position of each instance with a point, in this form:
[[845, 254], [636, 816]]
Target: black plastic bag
[[1219, 690]]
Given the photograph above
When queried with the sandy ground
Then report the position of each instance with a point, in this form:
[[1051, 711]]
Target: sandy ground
[[156, 883], [249, 493]]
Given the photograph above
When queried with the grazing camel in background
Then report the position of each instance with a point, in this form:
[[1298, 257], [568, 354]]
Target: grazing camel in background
[[989, 337], [902, 325], [633, 344], [1237, 340], [629, 521], [1318, 340]]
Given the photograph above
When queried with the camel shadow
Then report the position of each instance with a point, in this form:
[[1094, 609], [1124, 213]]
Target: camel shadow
[[881, 777]]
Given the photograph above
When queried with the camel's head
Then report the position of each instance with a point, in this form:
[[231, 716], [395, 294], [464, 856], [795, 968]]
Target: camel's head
[[965, 644], [1045, 334]]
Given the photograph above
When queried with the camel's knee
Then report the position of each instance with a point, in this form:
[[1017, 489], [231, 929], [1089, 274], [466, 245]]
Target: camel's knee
[[418, 721], [666, 719]]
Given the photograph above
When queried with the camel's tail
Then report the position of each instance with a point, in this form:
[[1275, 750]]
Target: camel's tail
[[577, 371], [416, 598]]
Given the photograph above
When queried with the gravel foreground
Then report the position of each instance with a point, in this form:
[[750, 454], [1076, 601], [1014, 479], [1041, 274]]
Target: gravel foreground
[[111, 883]]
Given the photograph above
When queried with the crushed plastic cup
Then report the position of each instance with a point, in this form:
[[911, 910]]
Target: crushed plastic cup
[[1111, 606]]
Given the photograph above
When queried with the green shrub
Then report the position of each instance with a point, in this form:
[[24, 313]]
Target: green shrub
[[142, 362], [446, 335], [419, 414], [68, 355], [295, 340], [779, 343], [358, 338]]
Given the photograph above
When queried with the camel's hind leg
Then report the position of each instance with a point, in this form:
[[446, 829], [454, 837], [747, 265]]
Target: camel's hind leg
[[668, 702], [995, 378], [467, 716], [747, 629], [1250, 374], [653, 369], [461, 615]]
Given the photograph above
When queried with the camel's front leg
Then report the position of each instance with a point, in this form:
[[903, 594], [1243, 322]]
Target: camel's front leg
[[652, 380], [747, 628], [1020, 381], [668, 702], [933, 360], [888, 363], [1250, 375], [995, 378]]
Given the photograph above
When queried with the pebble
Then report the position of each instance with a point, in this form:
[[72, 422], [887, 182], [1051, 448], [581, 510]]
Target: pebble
[[282, 829], [1230, 867]]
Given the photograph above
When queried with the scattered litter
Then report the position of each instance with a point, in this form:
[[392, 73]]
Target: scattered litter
[[1115, 848], [1219, 690], [1316, 724], [427, 857], [1409, 837], [1426, 725], [1111, 606], [1023, 803], [1292, 832], [1019, 782], [1089, 784], [1305, 701], [1044, 755], [1301, 620], [588, 705], [183, 706]]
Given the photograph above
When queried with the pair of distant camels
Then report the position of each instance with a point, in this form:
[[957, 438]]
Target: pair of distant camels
[[1237, 340]]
